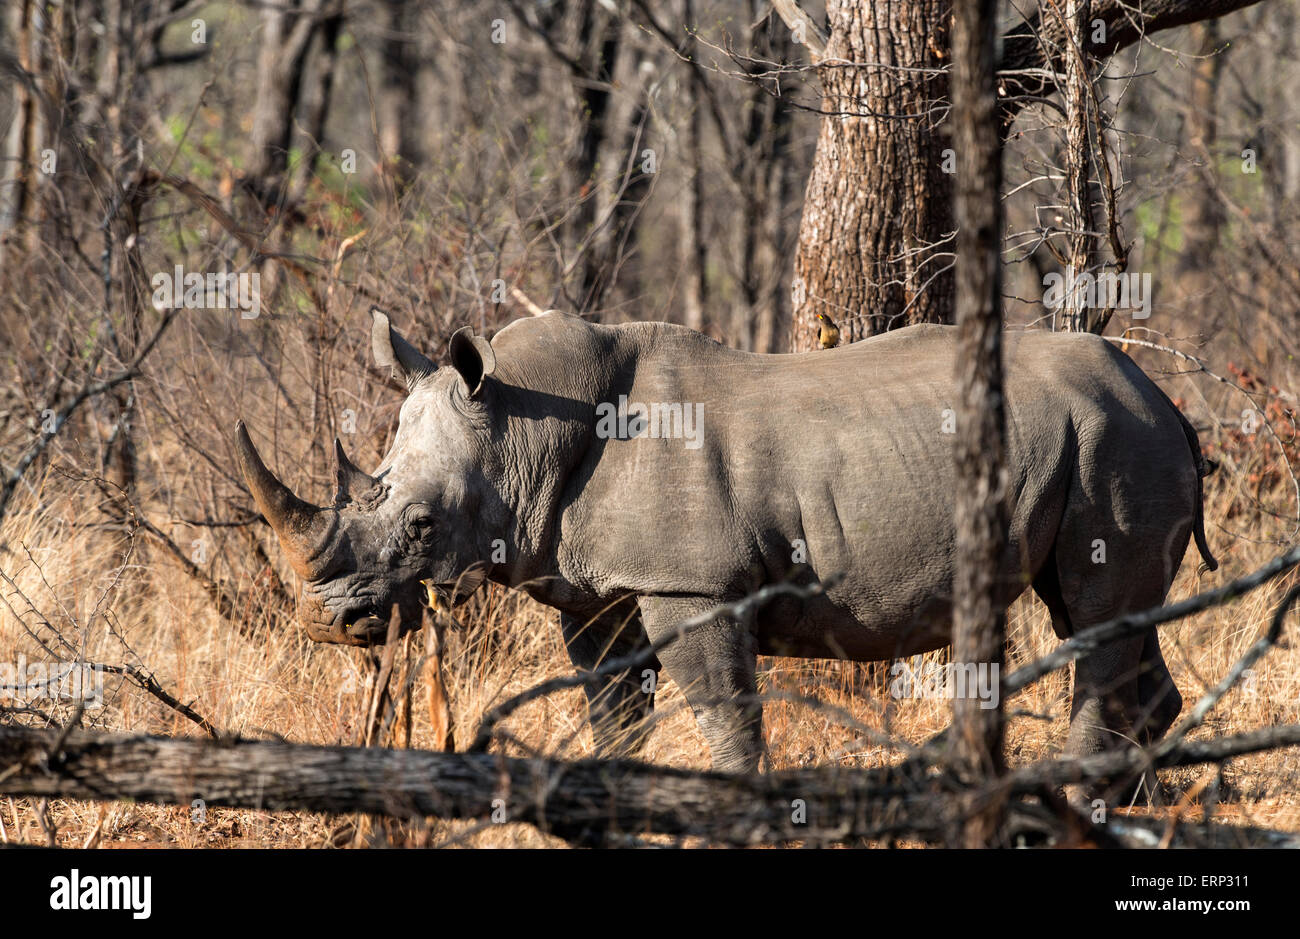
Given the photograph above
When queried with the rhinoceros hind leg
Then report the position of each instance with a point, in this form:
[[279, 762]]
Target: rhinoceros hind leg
[[1159, 697], [1123, 694], [1047, 586]]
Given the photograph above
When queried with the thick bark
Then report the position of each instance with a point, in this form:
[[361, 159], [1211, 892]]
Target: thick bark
[[979, 622], [878, 206]]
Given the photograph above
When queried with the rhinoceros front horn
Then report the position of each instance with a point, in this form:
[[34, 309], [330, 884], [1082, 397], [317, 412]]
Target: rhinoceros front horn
[[303, 529]]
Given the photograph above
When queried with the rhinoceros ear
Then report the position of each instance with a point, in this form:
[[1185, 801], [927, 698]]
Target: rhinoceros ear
[[472, 357], [391, 349]]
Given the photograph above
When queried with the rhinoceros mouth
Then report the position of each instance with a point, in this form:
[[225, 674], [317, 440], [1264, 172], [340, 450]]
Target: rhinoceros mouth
[[365, 630]]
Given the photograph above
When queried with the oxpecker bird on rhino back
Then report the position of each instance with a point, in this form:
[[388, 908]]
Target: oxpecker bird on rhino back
[[530, 461]]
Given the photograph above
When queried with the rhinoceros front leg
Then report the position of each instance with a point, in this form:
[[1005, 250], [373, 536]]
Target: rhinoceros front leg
[[714, 665], [617, 709]]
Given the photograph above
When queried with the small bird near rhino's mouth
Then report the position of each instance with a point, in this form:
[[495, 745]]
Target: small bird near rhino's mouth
[[369, 628]]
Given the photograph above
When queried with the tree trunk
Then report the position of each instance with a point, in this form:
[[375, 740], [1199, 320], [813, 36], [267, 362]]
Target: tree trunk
[[23, 143], [872, 251], [1202, 215], [599, 44], [979, 622], [316, 103], [287, 30], [766, 186], [694, 261], [624, 179], [1076, 315], [399, 110]]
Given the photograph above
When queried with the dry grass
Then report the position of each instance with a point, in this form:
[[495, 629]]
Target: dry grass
[[277, 683]]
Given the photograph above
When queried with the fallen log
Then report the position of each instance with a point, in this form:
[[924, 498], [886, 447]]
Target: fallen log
[[588, 802]]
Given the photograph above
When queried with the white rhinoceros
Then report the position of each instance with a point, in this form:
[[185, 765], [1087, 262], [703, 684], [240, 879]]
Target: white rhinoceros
[[529, 461]]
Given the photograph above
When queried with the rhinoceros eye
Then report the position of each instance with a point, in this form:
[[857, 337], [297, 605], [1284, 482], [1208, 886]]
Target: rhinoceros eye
[[419, 525]]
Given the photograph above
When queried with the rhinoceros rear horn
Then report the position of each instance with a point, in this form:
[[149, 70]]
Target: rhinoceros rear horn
[[350, 482], [390, 349], [303, 529]]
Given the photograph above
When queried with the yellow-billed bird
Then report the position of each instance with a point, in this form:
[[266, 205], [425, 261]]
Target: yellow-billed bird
[[439, 697], [828, 334]]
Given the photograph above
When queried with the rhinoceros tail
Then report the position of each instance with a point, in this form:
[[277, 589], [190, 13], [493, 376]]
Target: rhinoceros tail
[[1204, 468]]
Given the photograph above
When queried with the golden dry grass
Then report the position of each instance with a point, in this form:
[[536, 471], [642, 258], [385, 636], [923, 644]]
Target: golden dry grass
[[277, 683]]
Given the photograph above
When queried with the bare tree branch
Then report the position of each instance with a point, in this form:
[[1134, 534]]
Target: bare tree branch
[[801, 23], [1035, 44], [88, 390]]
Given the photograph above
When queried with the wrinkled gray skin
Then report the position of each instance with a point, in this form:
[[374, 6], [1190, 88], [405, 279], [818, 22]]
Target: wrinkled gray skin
[[839, 451]]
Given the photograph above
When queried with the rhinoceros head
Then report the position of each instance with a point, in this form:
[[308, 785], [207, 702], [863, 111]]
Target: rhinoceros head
[[411, 522]]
